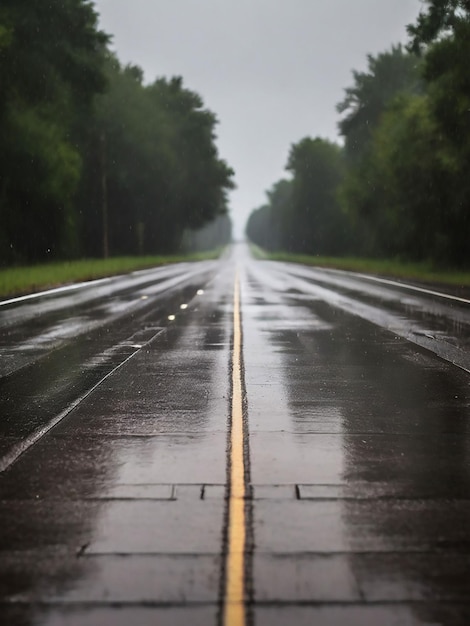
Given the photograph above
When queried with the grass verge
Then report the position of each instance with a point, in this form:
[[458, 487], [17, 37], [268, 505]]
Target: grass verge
[[28, 279], [420, 272]]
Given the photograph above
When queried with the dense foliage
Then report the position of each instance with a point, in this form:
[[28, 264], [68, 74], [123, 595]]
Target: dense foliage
[[94, 162], [303, 214], [403, 184]]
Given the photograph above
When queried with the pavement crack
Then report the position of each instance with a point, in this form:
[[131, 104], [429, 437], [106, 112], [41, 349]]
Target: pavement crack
[[81, 550]]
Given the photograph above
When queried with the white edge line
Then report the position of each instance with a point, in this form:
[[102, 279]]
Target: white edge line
[[39, 294], [83, 284], [14, 454], [395, 283], [412, 287]]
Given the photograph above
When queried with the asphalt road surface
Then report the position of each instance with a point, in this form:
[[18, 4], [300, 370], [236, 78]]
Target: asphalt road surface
[[235, 442]]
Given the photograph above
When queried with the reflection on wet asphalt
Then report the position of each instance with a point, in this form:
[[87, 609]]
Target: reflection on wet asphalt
[[359, 441]]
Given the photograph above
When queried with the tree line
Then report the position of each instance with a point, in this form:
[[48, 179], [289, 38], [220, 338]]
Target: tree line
[[399, 185], [93, 160]]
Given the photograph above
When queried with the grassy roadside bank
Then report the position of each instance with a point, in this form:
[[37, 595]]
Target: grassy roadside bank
[[420, 272], [28, 279]]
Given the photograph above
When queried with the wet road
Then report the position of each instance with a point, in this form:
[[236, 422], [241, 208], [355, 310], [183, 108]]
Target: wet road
[[237, 441]]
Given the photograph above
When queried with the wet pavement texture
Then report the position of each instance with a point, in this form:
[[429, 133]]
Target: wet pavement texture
[[113, 449]]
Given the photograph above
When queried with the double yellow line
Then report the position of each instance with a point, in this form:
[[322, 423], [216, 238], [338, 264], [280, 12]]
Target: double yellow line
[[234, 611]]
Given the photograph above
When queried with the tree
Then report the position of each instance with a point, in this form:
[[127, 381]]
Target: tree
[[413, 169], [281, 213], [155, 147], [389, 74], [363, 193], [443, 17], [442, 33], [318, 224], [92, 158], [51, 56], [258, 227], [303, 214], [270, 226], [200, 178]]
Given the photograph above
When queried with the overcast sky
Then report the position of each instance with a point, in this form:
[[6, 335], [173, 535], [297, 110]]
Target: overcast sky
[[272, 70]]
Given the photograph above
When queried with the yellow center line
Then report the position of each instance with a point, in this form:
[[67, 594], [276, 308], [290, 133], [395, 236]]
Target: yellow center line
[[234, 596]]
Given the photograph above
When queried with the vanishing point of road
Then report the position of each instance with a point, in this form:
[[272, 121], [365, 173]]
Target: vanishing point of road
[[235, 443]]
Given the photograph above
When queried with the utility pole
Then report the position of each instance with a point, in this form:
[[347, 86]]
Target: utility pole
[[104, 195]]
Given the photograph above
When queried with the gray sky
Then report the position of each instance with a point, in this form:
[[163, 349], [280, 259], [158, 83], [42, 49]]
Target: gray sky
[[272, 70]]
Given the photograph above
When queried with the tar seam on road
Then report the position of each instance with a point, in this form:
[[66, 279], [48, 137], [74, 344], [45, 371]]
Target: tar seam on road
[[14, 454], [235, 591]]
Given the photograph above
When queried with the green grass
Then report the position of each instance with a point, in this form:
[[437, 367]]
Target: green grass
[[28, 279], [421, 272]]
